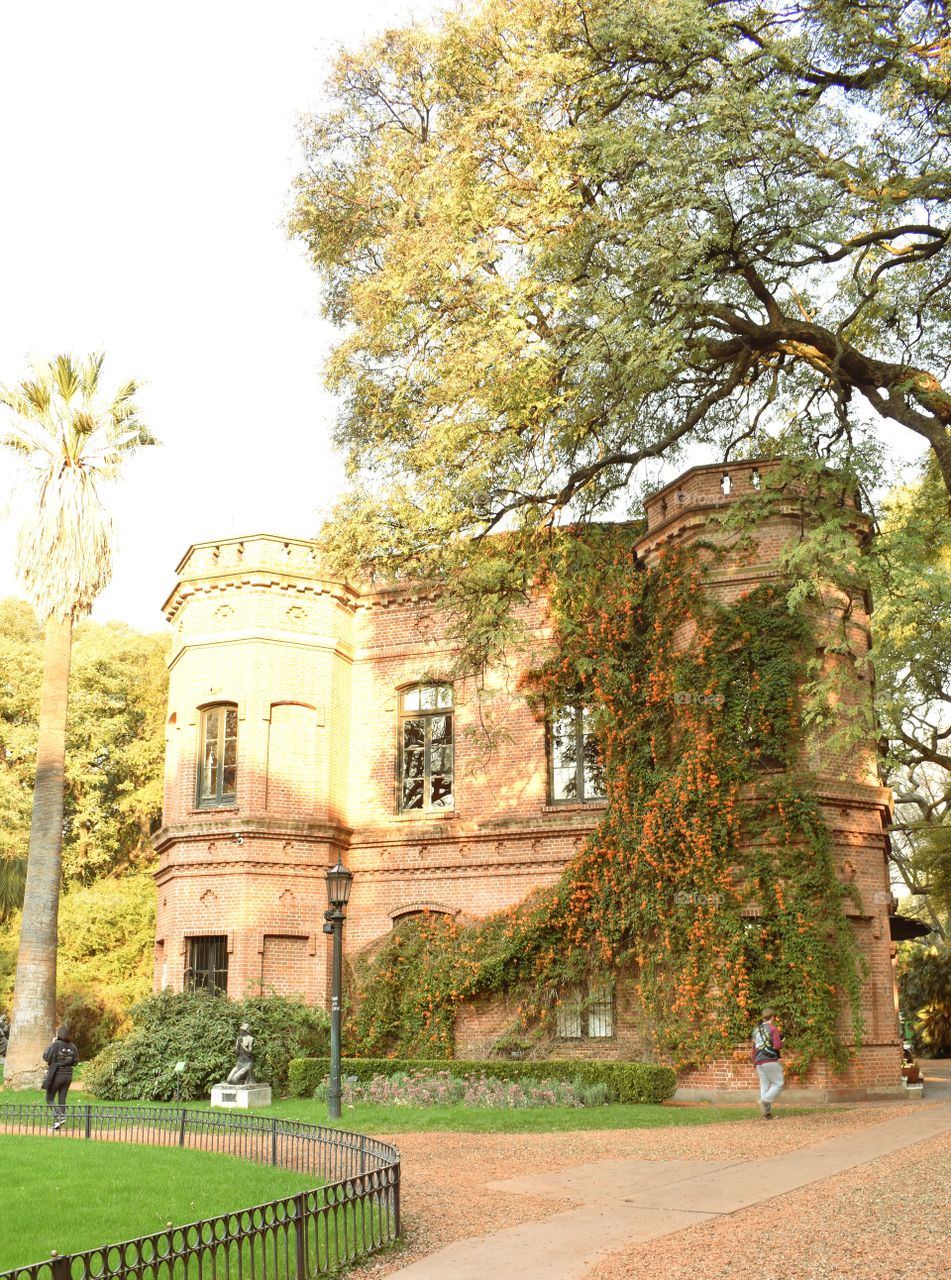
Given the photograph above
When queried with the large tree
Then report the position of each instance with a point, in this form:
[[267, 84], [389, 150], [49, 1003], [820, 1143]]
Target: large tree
[[69, 438], [114, 747], [565, 237]]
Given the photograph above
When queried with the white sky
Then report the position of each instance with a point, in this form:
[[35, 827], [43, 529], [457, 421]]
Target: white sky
[[147, 153]]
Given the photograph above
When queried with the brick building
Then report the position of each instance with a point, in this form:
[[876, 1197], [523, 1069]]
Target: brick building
[[311, 720]]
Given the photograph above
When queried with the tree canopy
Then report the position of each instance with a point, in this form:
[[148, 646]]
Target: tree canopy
[[114, 747], [563, 237]]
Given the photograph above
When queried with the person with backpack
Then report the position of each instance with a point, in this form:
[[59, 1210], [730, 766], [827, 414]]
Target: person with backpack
[[767, 1051], [61, 1056]]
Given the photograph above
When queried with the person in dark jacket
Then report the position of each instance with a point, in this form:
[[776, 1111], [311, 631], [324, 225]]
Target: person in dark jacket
[[61, 1056]]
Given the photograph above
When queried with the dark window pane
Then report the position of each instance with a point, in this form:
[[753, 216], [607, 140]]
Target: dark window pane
[[229, 780], [211, 723], [231, 751], [441, 793], [441, 728], [231, 722], [412, 794], [564, 784], [414, 733], [593, 770], [413, 764]]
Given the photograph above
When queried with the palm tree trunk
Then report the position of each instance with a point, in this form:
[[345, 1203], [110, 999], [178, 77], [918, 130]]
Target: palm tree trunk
[[34, 997]]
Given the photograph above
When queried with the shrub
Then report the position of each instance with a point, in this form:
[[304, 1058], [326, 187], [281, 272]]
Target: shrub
[[630, 1082], [428, 1088], [200, 1030], [925, 987]]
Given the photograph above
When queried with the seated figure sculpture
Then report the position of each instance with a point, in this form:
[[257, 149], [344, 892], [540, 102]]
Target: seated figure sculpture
[[243, 1070]]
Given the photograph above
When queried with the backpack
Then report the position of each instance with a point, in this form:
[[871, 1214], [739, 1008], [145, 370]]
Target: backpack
[[763, 1040], [66, 1056]]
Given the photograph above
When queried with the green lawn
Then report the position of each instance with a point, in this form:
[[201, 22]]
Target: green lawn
[[68, 1195], [457, 1119], [367, 1118]]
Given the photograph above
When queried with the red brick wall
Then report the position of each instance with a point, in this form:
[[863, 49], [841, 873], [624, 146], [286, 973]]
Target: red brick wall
[[315, 668]]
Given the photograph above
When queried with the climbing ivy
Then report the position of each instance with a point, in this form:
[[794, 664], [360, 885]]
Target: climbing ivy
[[710, 877]]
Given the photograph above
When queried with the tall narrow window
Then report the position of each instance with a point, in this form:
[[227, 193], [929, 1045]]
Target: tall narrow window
[[586, 1015], [207, 965], [577, 773], [426, 747], [218, 766]]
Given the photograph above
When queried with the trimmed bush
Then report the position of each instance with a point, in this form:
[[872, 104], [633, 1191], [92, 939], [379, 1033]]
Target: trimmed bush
[[200, 1030], [631, 1082]]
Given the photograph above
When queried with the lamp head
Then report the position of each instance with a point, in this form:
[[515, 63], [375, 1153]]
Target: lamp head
[[339, 880]]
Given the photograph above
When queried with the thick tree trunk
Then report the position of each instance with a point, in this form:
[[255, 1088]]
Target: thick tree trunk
[[33, 1021]]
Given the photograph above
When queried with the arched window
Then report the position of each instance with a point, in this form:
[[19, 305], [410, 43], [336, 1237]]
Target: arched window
[[426, 748], [218, 762], [576, 771]]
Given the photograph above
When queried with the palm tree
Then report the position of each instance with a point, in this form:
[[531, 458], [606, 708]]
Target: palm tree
[[68, 439]]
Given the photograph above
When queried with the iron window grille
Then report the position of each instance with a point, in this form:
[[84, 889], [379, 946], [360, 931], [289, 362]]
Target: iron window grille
[[576, 772], [207, 965], [586, 1016], [426, 755], [218, 764]]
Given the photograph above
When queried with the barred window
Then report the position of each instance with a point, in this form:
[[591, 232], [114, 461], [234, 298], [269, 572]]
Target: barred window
[[218, 765], [426, 761], [207, 965], [586, 1015], [576, 772]]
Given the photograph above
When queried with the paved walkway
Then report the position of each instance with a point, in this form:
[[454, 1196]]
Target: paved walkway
[[621, 1202]]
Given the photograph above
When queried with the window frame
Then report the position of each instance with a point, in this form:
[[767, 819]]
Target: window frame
[[196, 978], [428, 716], [578, 712], [595, 1002], [219, 799]]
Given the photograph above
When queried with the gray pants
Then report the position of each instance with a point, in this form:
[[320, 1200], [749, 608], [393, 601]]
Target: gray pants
[[770, 1080]]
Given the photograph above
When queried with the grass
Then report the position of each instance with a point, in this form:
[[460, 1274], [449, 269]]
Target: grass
[[71, 1195], [372, 1119]]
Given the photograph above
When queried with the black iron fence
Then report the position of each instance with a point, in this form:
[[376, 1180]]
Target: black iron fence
[[353, 1211]]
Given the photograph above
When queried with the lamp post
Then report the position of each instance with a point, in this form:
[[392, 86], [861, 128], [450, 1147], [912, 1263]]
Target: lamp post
[[339, 880]]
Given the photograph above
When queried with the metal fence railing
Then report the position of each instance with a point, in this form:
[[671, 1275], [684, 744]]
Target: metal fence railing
[[353, 1211]]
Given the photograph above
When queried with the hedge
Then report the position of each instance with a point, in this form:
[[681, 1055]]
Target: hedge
[[632, 1082]]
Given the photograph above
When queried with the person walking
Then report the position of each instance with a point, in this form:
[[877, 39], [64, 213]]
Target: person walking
[[767, 1051], [61, 1056]]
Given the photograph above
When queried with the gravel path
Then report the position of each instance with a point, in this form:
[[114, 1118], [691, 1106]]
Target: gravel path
[[888, 1219], [445, 1198]]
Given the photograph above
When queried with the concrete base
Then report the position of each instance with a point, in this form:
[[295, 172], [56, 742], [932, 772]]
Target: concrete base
[[241, 1096], [795, 1096]]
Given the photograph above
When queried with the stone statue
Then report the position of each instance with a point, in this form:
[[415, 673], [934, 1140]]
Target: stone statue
[[243, 1070], [4, 1034]]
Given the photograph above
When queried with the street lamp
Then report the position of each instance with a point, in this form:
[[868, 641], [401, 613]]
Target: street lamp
[[339, 880]]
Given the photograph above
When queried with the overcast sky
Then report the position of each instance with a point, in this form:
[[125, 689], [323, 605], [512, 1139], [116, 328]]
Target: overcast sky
[[147, 152]]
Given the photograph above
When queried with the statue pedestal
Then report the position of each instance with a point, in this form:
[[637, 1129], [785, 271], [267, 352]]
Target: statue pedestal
[[241, 1095]]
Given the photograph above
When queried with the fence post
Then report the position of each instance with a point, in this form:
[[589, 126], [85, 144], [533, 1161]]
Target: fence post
[[88, 1109], [181, 1132], [301, 1237], [60, 1265], [274, 1140]]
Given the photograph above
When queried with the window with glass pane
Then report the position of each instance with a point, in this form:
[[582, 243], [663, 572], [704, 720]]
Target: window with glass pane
[[207, 965], [218, 767], [586, 1016], [576, 769], [426, 747]]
